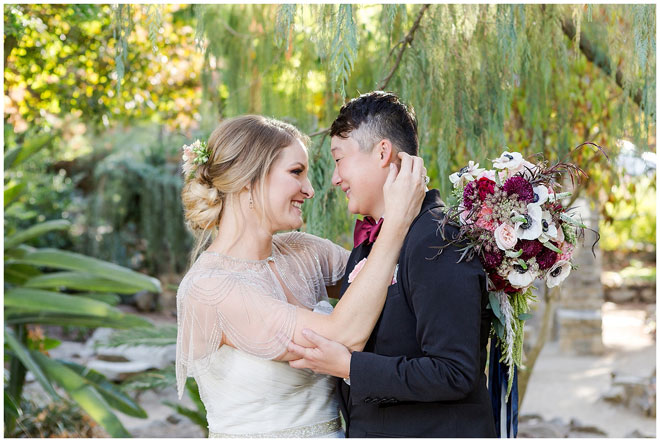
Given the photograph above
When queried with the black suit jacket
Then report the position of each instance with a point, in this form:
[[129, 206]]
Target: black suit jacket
[[422, 371]]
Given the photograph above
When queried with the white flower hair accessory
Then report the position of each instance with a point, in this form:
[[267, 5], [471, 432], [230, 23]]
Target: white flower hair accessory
[[193, 155]]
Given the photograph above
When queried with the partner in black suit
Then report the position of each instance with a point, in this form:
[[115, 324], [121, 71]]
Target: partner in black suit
[[422, 372]]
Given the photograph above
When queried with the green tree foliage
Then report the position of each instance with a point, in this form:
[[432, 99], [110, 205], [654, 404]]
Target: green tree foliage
[[134, 215], [77, 75], [535, 78], [62, 64]]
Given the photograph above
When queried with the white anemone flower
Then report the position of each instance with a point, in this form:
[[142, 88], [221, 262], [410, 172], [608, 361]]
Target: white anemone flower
[[540, 194], [558, 273], [509, 160], [548, 228], [524, 167], [521, 278], [531, 227], [466, 174]]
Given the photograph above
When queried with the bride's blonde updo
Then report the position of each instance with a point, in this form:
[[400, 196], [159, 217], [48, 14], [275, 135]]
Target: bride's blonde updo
[[241, 152]]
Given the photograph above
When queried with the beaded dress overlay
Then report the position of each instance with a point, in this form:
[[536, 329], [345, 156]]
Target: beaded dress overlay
[[246, 393]]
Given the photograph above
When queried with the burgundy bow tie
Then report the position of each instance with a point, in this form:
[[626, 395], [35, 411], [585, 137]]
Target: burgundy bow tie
[[366, 229]]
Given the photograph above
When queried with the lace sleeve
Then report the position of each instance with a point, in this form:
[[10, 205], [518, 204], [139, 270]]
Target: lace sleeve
[[210, 303], [330, 257]]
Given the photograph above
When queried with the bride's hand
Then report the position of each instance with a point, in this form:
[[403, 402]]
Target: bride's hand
[[404, 191]]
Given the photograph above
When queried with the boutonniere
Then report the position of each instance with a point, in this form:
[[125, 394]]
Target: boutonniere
[[358, 267]]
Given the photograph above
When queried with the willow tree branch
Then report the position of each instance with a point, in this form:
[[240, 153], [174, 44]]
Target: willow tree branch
[[407, 40], [404, 43], [598, 57]]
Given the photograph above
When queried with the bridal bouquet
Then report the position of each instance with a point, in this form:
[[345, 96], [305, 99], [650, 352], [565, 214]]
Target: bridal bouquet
[[512, 218]]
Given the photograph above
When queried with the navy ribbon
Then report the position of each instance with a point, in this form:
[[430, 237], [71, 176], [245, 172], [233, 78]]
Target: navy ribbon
[[505, 412]]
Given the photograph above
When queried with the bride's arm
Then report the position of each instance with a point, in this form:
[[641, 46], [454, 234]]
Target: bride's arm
[[355, 315]]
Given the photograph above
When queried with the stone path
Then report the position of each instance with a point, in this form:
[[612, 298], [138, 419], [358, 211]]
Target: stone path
[[570, 387]]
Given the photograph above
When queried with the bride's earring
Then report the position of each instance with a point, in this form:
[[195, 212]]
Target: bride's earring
[[251, 203]]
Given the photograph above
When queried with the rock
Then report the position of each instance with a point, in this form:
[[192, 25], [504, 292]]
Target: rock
[[530, 418], [99, 336], [616, 394], [533, 426], [636, 434], [154, 357], [541, 429], [647, 294], [621, 295], [173, 419], [69, 350], [585, 434], [635, 392], [118, 371], [578, 429], [580, 331]]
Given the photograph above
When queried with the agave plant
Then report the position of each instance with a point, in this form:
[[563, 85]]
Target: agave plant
[[57, 287]]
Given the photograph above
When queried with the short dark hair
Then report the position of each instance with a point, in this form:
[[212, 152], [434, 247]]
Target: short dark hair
[[376, 115]]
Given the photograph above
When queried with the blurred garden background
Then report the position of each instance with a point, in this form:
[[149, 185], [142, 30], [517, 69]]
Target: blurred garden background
[[99, 99]]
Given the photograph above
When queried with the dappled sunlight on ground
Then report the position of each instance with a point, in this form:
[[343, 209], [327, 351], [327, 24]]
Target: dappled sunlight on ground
[[624, 327], [570, 387]]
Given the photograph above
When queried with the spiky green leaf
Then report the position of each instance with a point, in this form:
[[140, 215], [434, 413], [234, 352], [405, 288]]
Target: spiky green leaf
[[110, 392], [80, 281], [59, 259], [36, 231], [23, 354], [83, 393]]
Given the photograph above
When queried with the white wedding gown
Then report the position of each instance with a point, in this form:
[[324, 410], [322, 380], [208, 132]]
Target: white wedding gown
[[246, 393]]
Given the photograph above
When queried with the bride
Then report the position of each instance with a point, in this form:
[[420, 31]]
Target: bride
[[252, 291]]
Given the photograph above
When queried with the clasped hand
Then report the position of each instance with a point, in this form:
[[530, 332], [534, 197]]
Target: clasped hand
[[326, 357]]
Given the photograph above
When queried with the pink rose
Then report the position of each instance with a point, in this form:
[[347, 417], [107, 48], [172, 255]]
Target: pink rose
[[505, 236], [490, 174], [481, 221], [356, 270], [358, 267]]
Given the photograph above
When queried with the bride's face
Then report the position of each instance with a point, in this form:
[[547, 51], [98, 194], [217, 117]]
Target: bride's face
[[287, 187]]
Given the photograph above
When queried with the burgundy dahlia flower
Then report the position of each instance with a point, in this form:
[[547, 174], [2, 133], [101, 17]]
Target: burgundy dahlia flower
[[521, 187], [501, 284], [546, 258], [498, 282], [530, 248], [468, 195], [492, 259]]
